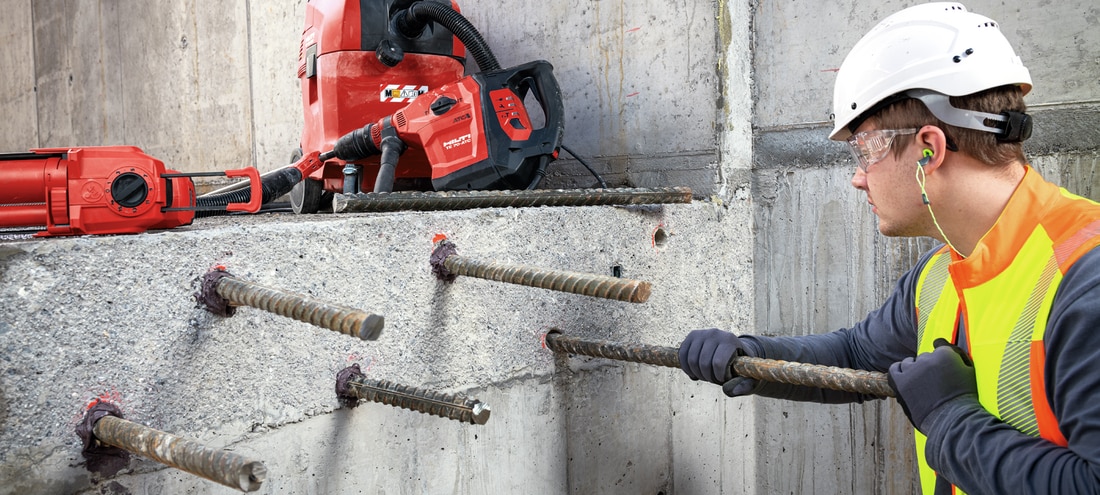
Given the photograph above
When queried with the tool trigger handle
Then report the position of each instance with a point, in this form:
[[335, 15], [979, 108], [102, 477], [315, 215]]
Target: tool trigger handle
[[310, 162]]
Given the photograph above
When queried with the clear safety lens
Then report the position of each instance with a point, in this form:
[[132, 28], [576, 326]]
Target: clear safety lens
[[869, 147]]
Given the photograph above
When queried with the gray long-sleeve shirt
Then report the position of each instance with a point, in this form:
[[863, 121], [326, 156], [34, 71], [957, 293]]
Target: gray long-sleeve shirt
[[966, 444]]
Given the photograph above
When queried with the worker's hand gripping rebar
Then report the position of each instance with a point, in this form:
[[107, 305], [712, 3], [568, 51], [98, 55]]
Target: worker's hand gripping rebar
[[771, 370], [352, 385], [221, 292], [103, 427], [446, 265]]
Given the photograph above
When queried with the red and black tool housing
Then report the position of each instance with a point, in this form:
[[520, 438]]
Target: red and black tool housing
[[346, 82], [92, 190], [478, 133]]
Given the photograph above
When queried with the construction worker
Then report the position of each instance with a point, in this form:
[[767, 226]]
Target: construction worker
[[991, 342]]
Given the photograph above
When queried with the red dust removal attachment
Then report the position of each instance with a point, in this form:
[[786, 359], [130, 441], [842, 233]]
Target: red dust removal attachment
[[100, 190]]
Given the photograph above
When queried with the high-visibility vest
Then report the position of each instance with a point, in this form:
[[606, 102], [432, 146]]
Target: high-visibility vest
[[1001, 298]]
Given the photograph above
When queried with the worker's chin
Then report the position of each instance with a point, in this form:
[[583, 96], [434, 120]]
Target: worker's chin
[[894, 230], [889, 230]]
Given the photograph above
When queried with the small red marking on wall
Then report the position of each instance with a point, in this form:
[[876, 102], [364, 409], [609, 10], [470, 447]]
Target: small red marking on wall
[[112, 396], [653, 235]]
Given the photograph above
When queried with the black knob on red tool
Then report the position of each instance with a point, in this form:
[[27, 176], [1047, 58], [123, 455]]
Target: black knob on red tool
[[389, 53], [129, 190], [442, 105]]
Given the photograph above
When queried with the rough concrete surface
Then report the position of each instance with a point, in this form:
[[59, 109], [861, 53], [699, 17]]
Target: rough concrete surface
[[115, 315]]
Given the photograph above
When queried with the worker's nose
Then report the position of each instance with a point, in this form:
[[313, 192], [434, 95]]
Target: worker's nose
[[859, 179]]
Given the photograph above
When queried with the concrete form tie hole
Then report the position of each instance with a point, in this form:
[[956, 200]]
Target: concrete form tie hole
[[660, 237]]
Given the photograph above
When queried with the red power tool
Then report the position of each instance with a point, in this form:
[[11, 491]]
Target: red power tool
[[118, 190], [354, 69], [476, 133], [362, 61]]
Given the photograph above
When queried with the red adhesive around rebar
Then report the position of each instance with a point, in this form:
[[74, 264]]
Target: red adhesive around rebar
[[208, 297], [104, 460], [104, 428]]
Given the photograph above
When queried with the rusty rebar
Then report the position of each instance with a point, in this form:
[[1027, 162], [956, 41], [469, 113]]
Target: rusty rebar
[[218, 465], [351, 383], [771, 370], [222, 290], [447, 265], [464, 200]]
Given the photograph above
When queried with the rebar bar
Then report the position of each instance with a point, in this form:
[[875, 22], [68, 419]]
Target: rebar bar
[[447, 266], [771, 370], [464, 200], [350, 382], [343, 319], [218, 465]]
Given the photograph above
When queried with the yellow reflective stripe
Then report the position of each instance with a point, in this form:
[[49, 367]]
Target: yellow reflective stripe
[[1014, 383], [930, 285]]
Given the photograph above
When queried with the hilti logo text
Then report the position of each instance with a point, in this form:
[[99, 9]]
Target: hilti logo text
[[458, 141]]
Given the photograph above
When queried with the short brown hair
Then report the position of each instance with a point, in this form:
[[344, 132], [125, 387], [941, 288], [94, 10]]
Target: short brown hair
[[981, 145]]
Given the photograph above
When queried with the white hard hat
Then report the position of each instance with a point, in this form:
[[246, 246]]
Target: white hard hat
[[938, 47]]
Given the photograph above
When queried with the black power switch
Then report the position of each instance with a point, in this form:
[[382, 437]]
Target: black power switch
[[442, 105]]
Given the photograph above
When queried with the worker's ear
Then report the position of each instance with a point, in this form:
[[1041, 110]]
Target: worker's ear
[[933, 145]]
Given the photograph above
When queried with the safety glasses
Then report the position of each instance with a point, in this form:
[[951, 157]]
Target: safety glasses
[[870, 147]]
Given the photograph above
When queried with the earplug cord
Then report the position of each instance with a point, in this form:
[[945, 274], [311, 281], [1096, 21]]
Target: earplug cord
[[924, 197]]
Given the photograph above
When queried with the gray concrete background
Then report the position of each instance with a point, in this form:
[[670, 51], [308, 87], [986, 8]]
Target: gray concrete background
[[729, 98]]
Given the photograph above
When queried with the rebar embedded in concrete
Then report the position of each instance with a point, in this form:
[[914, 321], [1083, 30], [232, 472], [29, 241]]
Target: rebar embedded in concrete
[[351, 382], [463, 200], [446, 266], [218, 465], [770, 370], [348, 321]]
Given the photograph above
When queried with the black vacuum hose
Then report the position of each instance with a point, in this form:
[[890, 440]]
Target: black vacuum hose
[[274, 185], [413, 20]]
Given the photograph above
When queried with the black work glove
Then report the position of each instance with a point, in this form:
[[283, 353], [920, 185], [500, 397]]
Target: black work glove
[[709, 354], [930, 380]]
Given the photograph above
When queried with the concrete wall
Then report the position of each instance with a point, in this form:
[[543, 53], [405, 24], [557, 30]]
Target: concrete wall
[[730, 98]]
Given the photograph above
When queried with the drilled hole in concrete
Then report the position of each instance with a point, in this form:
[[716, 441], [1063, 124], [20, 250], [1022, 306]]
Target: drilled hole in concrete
[[617, 271], [660, 237]]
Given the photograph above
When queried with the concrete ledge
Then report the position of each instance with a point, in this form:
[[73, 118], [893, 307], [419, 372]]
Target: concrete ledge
[[115, 315]]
